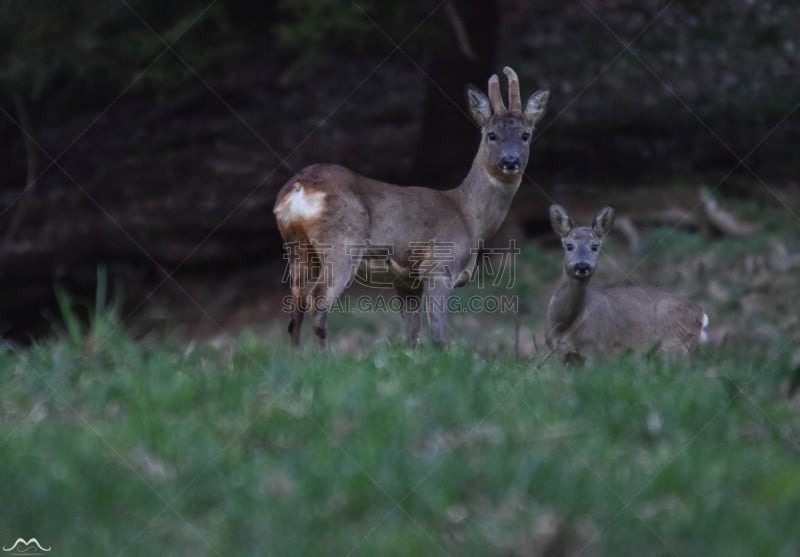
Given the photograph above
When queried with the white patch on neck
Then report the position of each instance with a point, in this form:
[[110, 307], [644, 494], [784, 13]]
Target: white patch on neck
[[500, 184], [494, 181], [300, 204]]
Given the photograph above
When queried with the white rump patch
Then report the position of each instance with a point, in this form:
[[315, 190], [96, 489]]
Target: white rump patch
[[300, 204], [703, 330]]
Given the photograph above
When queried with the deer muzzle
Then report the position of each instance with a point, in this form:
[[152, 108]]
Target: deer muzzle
[[510, 165], [582, 269]]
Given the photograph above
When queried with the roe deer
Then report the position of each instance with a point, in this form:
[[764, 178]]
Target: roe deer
[[603, 321], [340, 222]]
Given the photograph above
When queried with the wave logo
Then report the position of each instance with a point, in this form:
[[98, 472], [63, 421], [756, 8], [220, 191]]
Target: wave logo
[[30, 547]]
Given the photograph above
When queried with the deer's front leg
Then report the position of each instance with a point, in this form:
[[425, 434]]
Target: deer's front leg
[[411, 314], [436, 296]]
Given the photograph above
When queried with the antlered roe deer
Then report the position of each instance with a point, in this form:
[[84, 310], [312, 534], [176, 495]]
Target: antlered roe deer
[[582, 321], [339, 222]]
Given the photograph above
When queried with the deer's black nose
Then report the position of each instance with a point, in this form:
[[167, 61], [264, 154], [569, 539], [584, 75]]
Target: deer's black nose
[[510, 164], [582, 268]]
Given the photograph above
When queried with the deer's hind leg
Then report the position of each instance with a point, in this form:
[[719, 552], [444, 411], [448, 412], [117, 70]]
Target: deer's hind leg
[[338, 266], [299, 309], [299, 300]]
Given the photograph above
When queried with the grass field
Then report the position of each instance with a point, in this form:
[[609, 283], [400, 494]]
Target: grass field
[[161, 446]]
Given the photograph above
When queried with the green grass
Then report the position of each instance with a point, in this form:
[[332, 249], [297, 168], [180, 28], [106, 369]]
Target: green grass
[[160, 446], [116, 446]]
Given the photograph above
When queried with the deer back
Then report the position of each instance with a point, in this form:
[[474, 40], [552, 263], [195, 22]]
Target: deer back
[[638, 319]]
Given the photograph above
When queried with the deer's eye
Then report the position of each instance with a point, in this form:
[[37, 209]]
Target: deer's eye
[[526, 136], [595, 247], [569, 247], [491, 136]]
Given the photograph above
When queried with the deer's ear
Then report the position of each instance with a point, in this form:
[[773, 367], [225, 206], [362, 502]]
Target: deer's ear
[[478, 104], [560, 221], [603, 221], [535, 107]]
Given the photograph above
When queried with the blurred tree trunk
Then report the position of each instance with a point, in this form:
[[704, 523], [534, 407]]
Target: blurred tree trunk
[[449, 138], [30, 165]]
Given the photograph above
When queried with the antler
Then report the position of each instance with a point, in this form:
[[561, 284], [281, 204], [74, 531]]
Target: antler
[[514, 99], [494, 95]]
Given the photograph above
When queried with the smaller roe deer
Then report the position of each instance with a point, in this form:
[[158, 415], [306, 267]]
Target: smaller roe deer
[[603, 321]]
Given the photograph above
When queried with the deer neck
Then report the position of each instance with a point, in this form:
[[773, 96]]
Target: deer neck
[[484, 200], [567, 302]]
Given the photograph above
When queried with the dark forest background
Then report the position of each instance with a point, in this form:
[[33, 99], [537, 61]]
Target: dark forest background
[[149, 139]]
